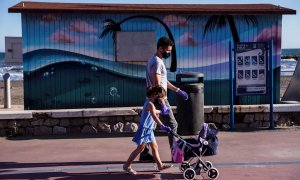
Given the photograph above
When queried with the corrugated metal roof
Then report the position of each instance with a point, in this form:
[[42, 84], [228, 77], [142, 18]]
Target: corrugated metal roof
[[93, 8]]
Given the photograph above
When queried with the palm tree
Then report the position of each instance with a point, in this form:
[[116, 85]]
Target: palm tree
[[220, 21], [111, 27]]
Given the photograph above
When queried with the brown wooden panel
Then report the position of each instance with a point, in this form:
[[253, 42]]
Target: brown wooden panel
[[42, 7]]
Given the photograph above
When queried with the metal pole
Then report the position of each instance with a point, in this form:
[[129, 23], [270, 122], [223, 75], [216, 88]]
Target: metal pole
[[231, 70], [7, 96], [271, 85]]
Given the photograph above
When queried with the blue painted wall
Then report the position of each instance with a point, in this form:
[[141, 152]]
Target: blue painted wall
[[67, 65]]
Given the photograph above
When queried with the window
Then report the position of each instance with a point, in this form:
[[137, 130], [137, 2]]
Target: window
[[135, 46]]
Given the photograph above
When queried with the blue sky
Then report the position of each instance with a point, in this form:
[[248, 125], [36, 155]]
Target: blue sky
[[10, 23]]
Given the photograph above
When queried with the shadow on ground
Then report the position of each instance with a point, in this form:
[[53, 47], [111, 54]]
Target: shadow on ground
[[91, 176], [78, 136], [12, 165]]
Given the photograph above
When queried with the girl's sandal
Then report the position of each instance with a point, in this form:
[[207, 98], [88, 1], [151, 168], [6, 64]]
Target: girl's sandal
[[164, 167], [129, 170]]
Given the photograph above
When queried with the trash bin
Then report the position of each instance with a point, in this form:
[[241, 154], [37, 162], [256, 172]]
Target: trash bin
[[190, 113]]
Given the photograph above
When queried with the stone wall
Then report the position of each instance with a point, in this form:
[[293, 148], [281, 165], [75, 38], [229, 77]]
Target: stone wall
[[119, 120]]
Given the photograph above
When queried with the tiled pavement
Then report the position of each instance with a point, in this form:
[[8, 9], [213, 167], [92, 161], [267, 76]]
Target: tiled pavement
[[252, 155]]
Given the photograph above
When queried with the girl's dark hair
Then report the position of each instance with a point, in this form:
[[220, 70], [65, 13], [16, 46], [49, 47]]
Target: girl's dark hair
[[156, 90], [164, 41]]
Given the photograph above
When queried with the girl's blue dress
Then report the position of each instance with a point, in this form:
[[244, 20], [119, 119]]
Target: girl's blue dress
[[145, 133]]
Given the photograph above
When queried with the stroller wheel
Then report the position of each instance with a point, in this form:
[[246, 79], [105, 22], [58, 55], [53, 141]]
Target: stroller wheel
[[189, 173], [208, 165], [213, 173], [184, 165]]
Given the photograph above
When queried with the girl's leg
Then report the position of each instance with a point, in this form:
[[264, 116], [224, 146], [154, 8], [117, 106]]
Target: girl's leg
[[134, 154], [160, 165], [155, 153]]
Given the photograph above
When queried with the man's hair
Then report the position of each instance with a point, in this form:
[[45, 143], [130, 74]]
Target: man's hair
[[156, 90], [164, 41]]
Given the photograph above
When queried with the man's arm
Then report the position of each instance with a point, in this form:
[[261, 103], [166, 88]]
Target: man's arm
[[169, 85], [157, 79], [172, 87]]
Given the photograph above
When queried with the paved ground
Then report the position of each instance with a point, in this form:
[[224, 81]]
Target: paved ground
[[254, 155]]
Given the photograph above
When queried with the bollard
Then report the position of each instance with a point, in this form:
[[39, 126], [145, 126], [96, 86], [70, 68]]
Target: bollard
[[7, 96]]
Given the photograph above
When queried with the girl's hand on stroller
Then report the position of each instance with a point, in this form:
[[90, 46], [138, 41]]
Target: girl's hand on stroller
[[164, 110], [166, 128]]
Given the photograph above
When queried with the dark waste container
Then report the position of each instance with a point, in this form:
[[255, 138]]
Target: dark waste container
[[190, 113]]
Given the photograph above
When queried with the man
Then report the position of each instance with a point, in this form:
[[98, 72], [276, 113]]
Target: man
[[156, 75]]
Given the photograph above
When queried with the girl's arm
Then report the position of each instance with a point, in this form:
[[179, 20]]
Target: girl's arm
[[153, 112], [157, 111]]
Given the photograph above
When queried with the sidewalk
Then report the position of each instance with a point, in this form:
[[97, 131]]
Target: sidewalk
[[255, 155], [13, 108]]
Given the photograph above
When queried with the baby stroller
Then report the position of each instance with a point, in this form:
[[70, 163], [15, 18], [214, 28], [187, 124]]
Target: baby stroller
[[205, 145]]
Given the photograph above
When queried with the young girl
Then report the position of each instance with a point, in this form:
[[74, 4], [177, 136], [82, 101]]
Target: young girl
[[145, 134]]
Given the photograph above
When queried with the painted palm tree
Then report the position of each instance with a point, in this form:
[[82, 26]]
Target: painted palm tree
[[111, 27], [220, 21]]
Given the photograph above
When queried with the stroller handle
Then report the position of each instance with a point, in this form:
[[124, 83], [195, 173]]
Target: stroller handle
[[204, 142], [175, 134]]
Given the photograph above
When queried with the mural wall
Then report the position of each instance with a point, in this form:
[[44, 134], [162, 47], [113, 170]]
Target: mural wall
[[69, 59]]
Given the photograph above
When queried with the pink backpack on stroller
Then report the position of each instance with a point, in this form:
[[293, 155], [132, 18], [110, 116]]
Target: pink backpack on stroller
[[178, 152]]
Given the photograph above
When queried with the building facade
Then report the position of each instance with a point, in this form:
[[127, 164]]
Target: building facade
[[94, 55]]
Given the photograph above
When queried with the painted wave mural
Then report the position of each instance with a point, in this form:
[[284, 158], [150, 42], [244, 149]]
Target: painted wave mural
[[62, 79]]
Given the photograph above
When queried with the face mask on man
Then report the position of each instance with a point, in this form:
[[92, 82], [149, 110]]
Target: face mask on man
[[165, 55]]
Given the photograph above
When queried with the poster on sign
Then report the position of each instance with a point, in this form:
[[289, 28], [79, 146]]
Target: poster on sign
[[251, 68]]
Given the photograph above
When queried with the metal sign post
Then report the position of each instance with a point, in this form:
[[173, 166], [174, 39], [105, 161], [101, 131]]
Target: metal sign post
[[271, 85], [231, 70]]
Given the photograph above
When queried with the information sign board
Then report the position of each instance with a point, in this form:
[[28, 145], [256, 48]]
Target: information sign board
[[251, 68]]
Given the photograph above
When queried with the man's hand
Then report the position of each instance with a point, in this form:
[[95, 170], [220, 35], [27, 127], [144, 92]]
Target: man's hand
[[164, 109], [183, 94]]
